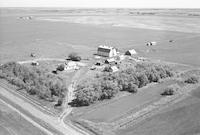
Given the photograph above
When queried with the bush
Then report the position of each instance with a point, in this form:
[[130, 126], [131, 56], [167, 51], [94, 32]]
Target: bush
[[143, 80], [61, 67], [132, 88], [192, 80], [74, 57], [107, 69], [170, 90]]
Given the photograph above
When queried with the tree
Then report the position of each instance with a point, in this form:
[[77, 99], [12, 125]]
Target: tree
[[143, 80], [132, 88], [34, 80], [74, 57], [170, 90], [61, 67], [192, 79]]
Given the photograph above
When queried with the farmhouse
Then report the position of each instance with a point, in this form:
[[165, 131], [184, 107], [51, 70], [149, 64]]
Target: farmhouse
[[130, 52], [110, 61], [114, 69], [106, 51]]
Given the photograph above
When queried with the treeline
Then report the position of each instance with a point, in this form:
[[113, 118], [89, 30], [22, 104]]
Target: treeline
[[34, 80], [107, 85]]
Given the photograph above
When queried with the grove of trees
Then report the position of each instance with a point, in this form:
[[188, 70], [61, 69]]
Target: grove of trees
[[34, 80], [107, 85], [192, 80]]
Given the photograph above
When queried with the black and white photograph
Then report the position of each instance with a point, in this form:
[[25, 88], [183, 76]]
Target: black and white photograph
[[99, 67]]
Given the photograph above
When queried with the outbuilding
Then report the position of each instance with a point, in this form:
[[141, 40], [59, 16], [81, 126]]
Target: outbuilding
[[110, 61], [34, 63], [114, 69], [130, 52], [153, 43]]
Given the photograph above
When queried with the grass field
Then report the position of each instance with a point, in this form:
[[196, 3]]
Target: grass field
[[57, 39], [182, 118], [13, 124]]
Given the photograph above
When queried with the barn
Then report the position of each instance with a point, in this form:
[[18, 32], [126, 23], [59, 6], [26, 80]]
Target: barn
[[106, 51], [130, 52]]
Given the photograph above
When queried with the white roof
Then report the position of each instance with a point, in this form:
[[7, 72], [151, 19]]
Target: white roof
[[114, 68], [111, 60], [105, 47], [71, 63], [132, 51]]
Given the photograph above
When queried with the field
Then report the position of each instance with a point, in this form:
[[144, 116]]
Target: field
[[13, 123], [58, 38], [180, 119], [55, 34], [127, 104]]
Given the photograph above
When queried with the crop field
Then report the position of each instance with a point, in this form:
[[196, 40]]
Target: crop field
[[58, 38], [180, 119], [13, 123]]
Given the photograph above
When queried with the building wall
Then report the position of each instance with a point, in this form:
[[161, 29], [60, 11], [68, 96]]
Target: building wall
[[107, 53]]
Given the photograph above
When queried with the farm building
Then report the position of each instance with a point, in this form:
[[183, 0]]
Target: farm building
[[130, 52], [110, 69], [71, 65], [98, 63], [151, 43], [114, 69], [106, 51], [110, 61], [34, 63]]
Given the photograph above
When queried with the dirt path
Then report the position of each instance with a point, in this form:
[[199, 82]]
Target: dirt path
[[70, 95], [52, 121]]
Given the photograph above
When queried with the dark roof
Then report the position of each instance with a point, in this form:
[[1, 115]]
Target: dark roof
[[104, 50]]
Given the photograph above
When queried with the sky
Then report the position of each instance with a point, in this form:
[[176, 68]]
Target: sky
[[103, 3]]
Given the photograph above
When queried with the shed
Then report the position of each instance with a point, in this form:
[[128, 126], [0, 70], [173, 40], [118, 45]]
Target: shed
[[35, 63], [98, 63], [130, 52], [110, 61]]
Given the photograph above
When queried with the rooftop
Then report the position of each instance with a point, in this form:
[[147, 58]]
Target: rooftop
[[105, 47]]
